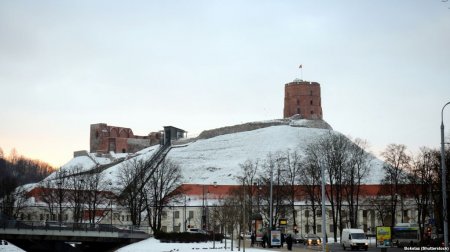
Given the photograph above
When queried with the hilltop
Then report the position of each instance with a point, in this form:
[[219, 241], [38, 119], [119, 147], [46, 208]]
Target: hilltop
[[216, 155]]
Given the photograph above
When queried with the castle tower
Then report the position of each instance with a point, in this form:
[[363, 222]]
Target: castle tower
[[302, 98]]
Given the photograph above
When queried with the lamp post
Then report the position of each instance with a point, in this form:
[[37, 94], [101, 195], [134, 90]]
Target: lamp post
[[444, 181], [271, 199], [324, 241]]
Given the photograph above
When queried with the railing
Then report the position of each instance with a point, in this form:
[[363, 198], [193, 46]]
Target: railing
[[68, 226]]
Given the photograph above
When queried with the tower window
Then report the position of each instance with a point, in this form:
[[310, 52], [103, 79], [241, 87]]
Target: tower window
[[298, 102], [310, 102], [310, 92], [298, 111], [312, 112]]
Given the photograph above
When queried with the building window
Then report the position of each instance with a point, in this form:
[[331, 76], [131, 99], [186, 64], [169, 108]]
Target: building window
[[176, 229], [312, 112], [41, 217], [306, 213], [310, 92], [311, 103], [176, 214], [331, 227], [29, 216], [319, 213], [298, 111], [405, 213], [298, 102], [307, 228], [128, 218], [191, 214], [364, 213], [124, 151], [123, 218], [164, 215], [319, 229]]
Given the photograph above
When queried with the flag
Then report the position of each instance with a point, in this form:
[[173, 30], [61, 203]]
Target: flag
[[301, 66]]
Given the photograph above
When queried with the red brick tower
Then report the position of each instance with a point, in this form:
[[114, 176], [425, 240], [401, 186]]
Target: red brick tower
[[302, 98]]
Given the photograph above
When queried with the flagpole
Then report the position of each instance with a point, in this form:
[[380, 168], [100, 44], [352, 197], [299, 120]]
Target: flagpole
[[301, 71]]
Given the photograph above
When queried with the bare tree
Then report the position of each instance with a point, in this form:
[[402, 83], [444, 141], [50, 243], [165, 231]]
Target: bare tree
[[291, 173], [380, 203], [423, 178], [357, 169], [396, 163], [331, 151], [130, 179], [161, 189], [53, 192], [77, 193], [311, 180], [248, 180], [95, 195]]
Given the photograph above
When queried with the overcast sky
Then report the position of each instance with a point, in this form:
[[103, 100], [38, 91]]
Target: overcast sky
[[383, 66]]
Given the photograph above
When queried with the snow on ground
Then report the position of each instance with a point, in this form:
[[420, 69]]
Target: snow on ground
[[217, 159], [112, 173], [154, 245], [9, 247]]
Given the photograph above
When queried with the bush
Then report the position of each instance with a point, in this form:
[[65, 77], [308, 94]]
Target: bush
[[186, 237]]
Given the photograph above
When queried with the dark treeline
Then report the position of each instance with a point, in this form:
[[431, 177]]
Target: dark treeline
[[16, 170]]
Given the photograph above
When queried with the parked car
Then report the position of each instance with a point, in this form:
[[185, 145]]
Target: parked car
[[298, 238], [312, 239]]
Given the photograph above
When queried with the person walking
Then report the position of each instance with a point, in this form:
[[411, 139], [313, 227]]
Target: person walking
[[289, 242], [253, 238], [264, 240]]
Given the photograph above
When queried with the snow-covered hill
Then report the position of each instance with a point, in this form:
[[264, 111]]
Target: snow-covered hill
[[218, 158]]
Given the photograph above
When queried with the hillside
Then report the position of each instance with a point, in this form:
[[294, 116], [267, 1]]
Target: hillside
[[216, 158]]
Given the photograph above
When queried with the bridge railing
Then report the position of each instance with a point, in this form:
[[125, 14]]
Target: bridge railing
[[68, 226]]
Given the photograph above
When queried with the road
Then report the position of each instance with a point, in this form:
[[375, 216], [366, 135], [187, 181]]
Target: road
[[336, 247]]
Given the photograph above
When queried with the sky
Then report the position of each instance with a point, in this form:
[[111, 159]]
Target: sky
[[383, 66]]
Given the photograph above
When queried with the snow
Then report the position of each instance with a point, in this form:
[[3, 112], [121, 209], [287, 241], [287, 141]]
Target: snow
[[111, 174], [9, 247], [218, 159], [154, 245]]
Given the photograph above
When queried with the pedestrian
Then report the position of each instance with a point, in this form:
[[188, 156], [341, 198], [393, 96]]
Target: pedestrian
[[253, 238], [264, 240], [289, 242], [282, 240]]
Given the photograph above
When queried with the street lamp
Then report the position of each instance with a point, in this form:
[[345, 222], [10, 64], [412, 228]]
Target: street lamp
[[324, 228], [444, 181], [271, 190]]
